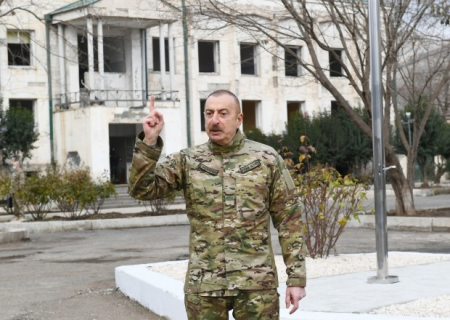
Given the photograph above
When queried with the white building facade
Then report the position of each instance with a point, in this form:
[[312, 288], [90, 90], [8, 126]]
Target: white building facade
[[88, 69]]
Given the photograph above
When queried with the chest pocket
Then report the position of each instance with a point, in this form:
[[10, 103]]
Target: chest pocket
[[205, 191], [252, 190]]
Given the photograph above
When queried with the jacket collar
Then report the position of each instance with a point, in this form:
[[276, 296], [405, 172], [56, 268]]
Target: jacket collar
[[235, 145]]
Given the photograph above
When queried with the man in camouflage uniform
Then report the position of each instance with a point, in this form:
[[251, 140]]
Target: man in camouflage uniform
[[232, 187]]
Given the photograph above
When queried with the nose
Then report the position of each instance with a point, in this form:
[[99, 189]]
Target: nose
[[215, 118]]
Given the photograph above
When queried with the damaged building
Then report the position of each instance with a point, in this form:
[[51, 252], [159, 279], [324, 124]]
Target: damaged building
[[87, 69]]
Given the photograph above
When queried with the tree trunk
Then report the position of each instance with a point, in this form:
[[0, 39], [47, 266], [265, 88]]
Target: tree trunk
[[402, 189], [424, 171]]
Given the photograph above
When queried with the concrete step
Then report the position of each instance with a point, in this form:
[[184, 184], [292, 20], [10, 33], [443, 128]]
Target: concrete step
[[124, 200]]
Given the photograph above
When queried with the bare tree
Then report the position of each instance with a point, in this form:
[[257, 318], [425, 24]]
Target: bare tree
[[328, 25], [420, 66]]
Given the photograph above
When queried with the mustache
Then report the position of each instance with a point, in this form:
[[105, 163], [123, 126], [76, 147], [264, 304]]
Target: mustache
[[214, 127]]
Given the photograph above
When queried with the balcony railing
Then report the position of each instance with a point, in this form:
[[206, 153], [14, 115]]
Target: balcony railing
[[86, 98]]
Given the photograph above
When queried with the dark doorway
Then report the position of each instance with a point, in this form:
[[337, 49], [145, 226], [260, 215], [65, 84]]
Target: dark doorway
[[121, 143], [250, 111]]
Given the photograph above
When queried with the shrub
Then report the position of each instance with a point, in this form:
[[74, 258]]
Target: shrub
[[5, 185], [101, 190], [36, 195], [159, 206], [328, 200], [271, 139], [72, 190]]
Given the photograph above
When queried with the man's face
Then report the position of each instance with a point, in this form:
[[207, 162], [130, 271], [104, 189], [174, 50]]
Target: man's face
[[222, 118]]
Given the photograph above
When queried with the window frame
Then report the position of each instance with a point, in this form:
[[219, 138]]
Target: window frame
[[106, 66], [30, 48], [254, 58], [166, 53], [301, 107], [257, 104], [332, 61], [215, 56], [298, 50], [335, 107], [18, 100]]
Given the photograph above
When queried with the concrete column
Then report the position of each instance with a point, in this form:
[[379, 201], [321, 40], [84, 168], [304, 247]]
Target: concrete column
[[101, 64], [136, 63], [162, 60], [98, 141], [144, 66], [90, 39], [171, 63], [62, 69]]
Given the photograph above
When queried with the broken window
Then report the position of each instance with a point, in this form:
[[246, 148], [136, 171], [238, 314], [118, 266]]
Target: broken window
[[248, 62], [114, 54], [335, 66], [207, 56], [291, 65], [250, 110], [293, 108], [19, 52], [335, 107], [157, 56], [22, 103]]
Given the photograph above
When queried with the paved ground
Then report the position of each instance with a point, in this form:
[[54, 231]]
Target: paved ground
[[70, 275], [439, 201]]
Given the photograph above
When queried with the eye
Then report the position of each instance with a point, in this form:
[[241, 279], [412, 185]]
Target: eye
[[224, 114]]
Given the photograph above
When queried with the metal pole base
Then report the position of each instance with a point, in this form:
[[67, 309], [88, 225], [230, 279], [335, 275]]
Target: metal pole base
[[388, 280]]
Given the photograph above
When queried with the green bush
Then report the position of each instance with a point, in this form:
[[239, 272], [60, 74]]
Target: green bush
[[339, 141], [271, 139], [71, 190], [5, 185], [36, 195], [76, 193], [101, 190], [328, 199]]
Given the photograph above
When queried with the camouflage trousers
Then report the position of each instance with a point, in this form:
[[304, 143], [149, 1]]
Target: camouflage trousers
[[262, 305]]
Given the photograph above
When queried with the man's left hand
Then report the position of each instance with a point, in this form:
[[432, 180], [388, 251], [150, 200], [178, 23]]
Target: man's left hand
[[294, 295]]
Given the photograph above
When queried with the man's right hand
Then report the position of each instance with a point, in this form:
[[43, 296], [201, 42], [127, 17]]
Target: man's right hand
[[153, 124]]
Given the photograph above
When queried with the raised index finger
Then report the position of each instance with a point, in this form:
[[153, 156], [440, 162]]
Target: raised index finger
[[151, 105]]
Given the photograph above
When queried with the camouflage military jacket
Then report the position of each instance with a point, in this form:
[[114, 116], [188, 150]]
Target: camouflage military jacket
[[231, 192]]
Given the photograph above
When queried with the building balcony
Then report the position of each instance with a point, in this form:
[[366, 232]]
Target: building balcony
[[110, 98]]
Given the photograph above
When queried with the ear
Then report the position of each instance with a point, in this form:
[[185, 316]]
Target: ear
[[239, 119]]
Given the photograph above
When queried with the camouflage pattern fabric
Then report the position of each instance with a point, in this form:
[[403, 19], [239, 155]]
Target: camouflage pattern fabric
[[231, 193], [263, 305]]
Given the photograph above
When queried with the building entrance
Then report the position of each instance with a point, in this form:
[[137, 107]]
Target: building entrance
[[121, 144]]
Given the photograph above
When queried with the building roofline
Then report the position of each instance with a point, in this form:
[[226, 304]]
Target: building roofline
[[75, 5]]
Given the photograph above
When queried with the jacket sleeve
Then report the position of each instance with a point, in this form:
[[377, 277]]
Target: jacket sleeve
[[286, 217], [150, 179]]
